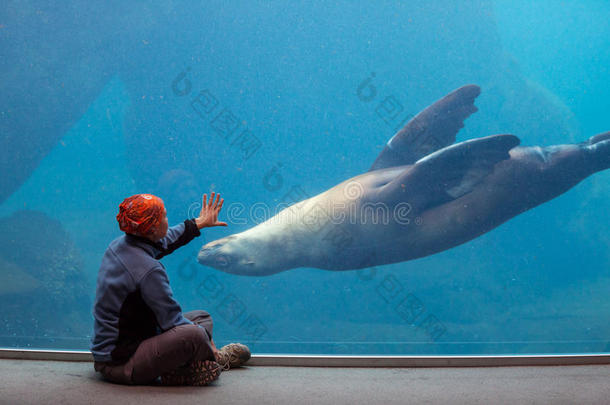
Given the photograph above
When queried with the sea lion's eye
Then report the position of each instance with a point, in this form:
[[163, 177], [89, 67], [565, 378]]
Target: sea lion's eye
[[222, 261]]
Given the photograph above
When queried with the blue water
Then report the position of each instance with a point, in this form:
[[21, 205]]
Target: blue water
[[104, 101]]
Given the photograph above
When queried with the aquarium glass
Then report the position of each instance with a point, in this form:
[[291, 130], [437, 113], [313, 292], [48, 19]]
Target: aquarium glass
[[271, 103]]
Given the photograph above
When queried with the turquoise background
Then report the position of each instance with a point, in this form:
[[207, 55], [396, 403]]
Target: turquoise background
[[89, 116]]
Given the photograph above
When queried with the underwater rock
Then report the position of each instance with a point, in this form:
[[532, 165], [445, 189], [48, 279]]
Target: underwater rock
[[56, 60], [14, 280], [52, 298]]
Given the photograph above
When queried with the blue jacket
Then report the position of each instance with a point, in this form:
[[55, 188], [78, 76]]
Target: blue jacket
[[133, 300]]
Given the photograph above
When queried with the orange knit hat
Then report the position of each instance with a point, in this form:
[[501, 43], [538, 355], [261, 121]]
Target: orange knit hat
[[140, 214]]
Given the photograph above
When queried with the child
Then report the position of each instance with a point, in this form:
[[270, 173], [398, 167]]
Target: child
[[140, 333]]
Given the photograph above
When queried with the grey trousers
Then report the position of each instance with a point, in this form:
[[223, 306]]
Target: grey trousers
[[165, 352]]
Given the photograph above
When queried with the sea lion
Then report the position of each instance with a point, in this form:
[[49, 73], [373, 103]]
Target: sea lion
[[422, 195]]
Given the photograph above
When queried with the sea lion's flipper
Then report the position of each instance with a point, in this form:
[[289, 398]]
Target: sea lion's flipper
[[598, 147], [430, 130], [599, 137], [448, 173]]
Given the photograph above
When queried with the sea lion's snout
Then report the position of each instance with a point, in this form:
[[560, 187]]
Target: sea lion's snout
[[231, 255], [238, 254], [213, 255]]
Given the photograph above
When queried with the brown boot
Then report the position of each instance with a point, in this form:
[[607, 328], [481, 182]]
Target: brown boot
[[233, 355], [201, 372]]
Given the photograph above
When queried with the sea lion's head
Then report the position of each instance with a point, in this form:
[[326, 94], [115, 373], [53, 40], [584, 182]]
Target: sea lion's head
[[243, 254]]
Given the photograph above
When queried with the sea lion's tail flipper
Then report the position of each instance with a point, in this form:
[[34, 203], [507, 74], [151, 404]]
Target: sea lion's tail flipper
[[599, 148], [449, 173], [430, 130]]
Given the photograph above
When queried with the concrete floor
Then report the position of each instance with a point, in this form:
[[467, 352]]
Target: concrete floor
[[42, 382]]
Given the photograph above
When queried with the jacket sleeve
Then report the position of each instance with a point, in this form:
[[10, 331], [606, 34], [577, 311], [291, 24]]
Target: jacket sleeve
[[158, 295], [177, 236]]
